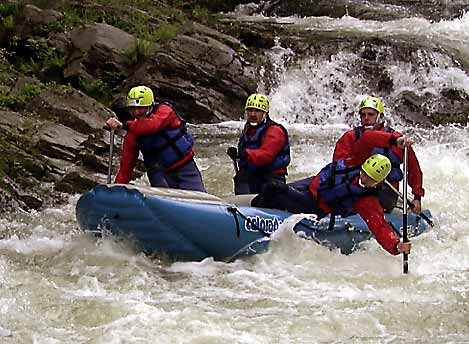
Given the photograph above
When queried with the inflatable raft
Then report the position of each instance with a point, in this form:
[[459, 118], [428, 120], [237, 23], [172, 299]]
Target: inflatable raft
[[190, 225]]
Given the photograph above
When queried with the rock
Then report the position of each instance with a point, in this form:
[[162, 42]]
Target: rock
[[188, 73], [32, 20], [29, 200], [98, 51], [9, 203], [382, 10], [101, 36], [74, 182], [60, 142], [70, 108], [10, 119]]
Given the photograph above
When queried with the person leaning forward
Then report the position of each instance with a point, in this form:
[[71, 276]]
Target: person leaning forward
[[371, 111], [346, 187], [263, 152], [160, 134]]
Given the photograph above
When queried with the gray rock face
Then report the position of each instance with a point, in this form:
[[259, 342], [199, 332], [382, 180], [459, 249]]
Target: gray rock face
[[71, 108]]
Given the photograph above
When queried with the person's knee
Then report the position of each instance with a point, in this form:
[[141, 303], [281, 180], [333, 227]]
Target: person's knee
[[270, 192]]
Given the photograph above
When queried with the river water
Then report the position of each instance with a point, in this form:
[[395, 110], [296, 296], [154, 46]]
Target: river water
[[60, 285]]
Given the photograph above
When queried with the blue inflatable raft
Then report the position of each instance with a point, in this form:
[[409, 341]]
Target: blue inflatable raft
[[190, 225]]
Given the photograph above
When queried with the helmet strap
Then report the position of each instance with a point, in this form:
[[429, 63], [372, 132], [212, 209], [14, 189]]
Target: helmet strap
[[360, 183], [150, 110], [264, 119], [379, 122]]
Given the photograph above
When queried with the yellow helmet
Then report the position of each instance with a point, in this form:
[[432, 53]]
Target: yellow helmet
[[257, 101], [372, 103], [377, 167], [140, 96]]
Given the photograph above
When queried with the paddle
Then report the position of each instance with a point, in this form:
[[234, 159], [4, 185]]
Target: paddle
[[405, 262], [409, 203], [111, 153], [232, 152]]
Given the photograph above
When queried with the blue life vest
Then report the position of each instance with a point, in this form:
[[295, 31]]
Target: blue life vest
[[336, 188], [396, 173], [281, 161], [164, 148]]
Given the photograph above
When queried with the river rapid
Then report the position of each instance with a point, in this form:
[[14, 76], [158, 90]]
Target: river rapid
[[60, 285]]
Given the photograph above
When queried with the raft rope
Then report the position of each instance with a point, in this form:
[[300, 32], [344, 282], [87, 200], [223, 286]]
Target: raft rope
[[235, 211]]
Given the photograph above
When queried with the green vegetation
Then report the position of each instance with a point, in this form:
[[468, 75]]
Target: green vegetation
[[36, 55], [16, 99], [9, 10], [165, 32], [140, 52], [96, 89]]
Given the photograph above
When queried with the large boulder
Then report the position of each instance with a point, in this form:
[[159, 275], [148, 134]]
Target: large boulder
[[32, 20], [202, 73], [98, 51], [71, 108]]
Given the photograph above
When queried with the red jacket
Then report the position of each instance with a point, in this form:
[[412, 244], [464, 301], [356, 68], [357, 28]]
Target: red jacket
[[368, 207], [273, 142], [343, 149], [164, 117]]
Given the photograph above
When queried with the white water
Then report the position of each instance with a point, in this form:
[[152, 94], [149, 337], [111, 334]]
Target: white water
[[58, 285]]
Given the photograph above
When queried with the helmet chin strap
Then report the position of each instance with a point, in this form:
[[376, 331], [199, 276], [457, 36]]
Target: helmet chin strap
[[360, 183], [150, 110], [255, 124], [379, 121]]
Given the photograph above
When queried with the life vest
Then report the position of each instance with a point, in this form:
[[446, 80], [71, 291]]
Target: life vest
[[337, 190], [396, 173], [281, 161], [165, 147]]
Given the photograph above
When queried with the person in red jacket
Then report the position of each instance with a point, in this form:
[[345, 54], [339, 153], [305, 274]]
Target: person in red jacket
[[263, 152], [161, 135], [346, 187], [371, 113]]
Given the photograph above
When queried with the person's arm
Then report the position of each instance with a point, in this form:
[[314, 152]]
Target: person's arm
[[272, 144], [415, 176], [343, 146], [163, 118], [372, 213], [363, 148], [128, 160]]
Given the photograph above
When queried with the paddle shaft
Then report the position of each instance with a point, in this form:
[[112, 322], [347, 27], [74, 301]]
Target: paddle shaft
[[235, 165], [111, 153], [405, 262]]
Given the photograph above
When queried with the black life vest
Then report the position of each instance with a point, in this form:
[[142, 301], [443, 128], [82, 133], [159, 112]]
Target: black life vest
[[280, 161], [338, 191], [165, 147]]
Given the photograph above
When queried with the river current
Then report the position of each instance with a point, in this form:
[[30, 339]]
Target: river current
[[60, 285]]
